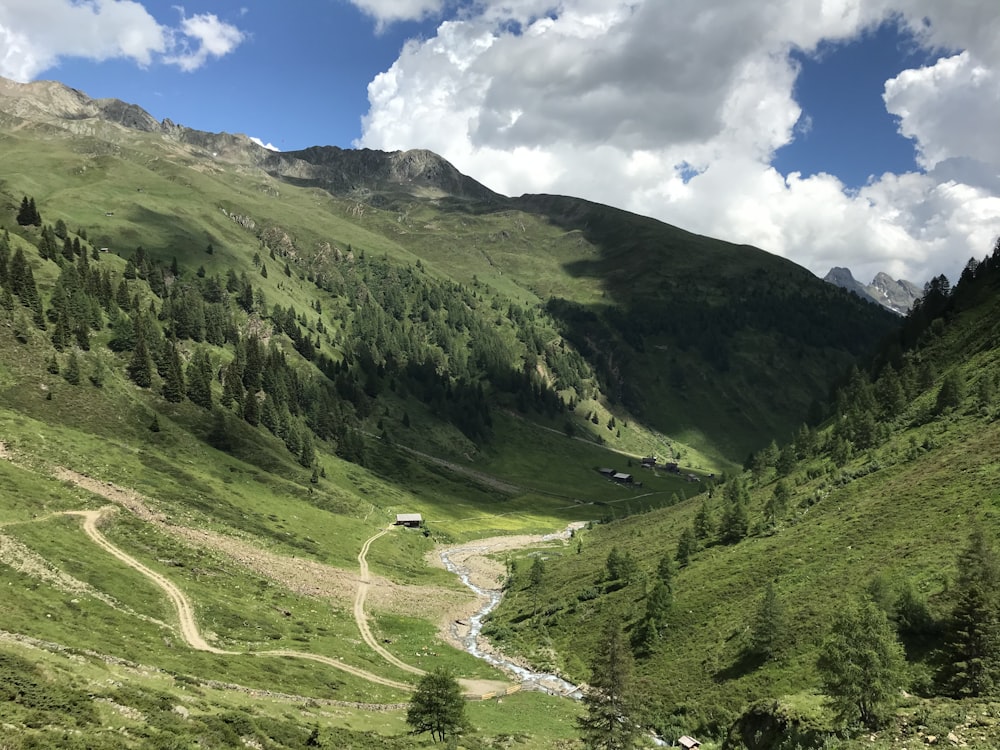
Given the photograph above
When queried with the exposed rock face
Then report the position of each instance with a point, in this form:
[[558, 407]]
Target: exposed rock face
[[371, 175], [894, 295]]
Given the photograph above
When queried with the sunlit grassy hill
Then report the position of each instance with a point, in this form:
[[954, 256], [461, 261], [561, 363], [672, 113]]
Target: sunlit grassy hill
[[687, 336], [224, 371], [881, 514]]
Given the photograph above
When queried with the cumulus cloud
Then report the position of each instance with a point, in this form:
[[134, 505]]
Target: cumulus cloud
[[389, 11], [200, 37], [675, 110], [36, 34]]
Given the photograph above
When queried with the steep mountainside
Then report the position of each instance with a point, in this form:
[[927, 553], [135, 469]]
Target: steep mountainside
[[691, 337], [876, 504], [224, 371]]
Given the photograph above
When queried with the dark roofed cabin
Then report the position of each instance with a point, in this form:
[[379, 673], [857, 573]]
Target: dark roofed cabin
[[409, 520]]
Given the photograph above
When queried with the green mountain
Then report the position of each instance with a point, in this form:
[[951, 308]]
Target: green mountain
[[709, 333], [223, 372], [878, 504]]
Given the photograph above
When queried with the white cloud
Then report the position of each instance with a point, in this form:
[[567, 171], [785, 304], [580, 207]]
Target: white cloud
[[211, 37], [269, 146], [944, 108], [675, 110], [389, 11], [36, 34]]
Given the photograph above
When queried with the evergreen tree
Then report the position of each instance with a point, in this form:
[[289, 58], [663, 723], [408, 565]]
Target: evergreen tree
[[687, 545], [659, 602], [173, 378], [72, 371], [735, 515], [769, 631], [536, 575], [28, 215], [199, 379], [140, 368], [437, 706], [24, 216], [777, 505], [704, 521], [974, 643], [621, 567], [951, 393], [861, 665], [610, 702]]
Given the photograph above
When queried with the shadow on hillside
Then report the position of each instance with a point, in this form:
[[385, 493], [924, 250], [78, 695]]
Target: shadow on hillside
[[745, 663]]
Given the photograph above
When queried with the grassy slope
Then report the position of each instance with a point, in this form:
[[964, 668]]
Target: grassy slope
[[169, 202], [900, 512]]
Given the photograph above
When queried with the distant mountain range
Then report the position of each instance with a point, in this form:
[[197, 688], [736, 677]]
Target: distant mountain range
[[896, 295]]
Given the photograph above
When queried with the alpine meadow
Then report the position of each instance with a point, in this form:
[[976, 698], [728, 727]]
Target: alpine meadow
[[257, 409]]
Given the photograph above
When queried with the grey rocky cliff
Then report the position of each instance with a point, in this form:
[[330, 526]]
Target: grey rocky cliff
[[884, 290]]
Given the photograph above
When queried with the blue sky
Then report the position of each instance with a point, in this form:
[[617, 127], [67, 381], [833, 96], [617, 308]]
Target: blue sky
[[845, 132]]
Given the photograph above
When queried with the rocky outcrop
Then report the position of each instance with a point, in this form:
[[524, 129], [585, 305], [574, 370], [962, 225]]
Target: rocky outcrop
[[894, 295], [375, 177]]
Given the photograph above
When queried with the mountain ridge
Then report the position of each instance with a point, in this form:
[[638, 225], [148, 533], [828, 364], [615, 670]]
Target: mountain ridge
[[898, 296]]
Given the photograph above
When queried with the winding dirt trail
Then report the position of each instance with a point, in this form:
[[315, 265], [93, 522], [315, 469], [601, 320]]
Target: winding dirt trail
[[185, 612], [359, 609], [136, 505]]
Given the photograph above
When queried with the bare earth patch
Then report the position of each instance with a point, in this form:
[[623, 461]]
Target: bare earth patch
[[306, 577]]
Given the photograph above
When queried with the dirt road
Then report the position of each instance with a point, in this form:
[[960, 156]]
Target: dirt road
[[185, 612], [359, 609]]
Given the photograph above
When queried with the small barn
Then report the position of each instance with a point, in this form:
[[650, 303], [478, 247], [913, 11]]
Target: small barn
[[688, 743], [409, 520], [606, 472], [622, 478]]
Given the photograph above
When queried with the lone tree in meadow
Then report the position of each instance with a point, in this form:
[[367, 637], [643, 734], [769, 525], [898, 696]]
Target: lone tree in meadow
[[769, 630], [610, 701], [437, 706], [862, 665]]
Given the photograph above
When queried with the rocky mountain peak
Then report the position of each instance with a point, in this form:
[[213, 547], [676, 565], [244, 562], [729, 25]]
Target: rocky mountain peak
[[892, 294], [369, 174]]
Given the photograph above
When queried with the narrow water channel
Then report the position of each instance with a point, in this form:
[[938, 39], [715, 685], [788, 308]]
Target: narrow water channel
[[530, 680]]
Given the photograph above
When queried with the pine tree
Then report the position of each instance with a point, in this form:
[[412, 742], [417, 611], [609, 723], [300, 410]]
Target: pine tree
[[769, 631], [24, 216], [735, 516], [777, 505], [704, 522], [687, 545], [437, 706], [861, 665], [199, 380], [140, 368], [659, 603], [173, 378], [974, 643], [72, 371], [610, 702]]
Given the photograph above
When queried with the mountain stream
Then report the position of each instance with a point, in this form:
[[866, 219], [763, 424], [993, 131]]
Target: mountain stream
[[471, 640]]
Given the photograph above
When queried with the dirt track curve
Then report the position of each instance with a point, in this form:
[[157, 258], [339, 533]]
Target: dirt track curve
[[190, 633], [359, 609], [185, 612]]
